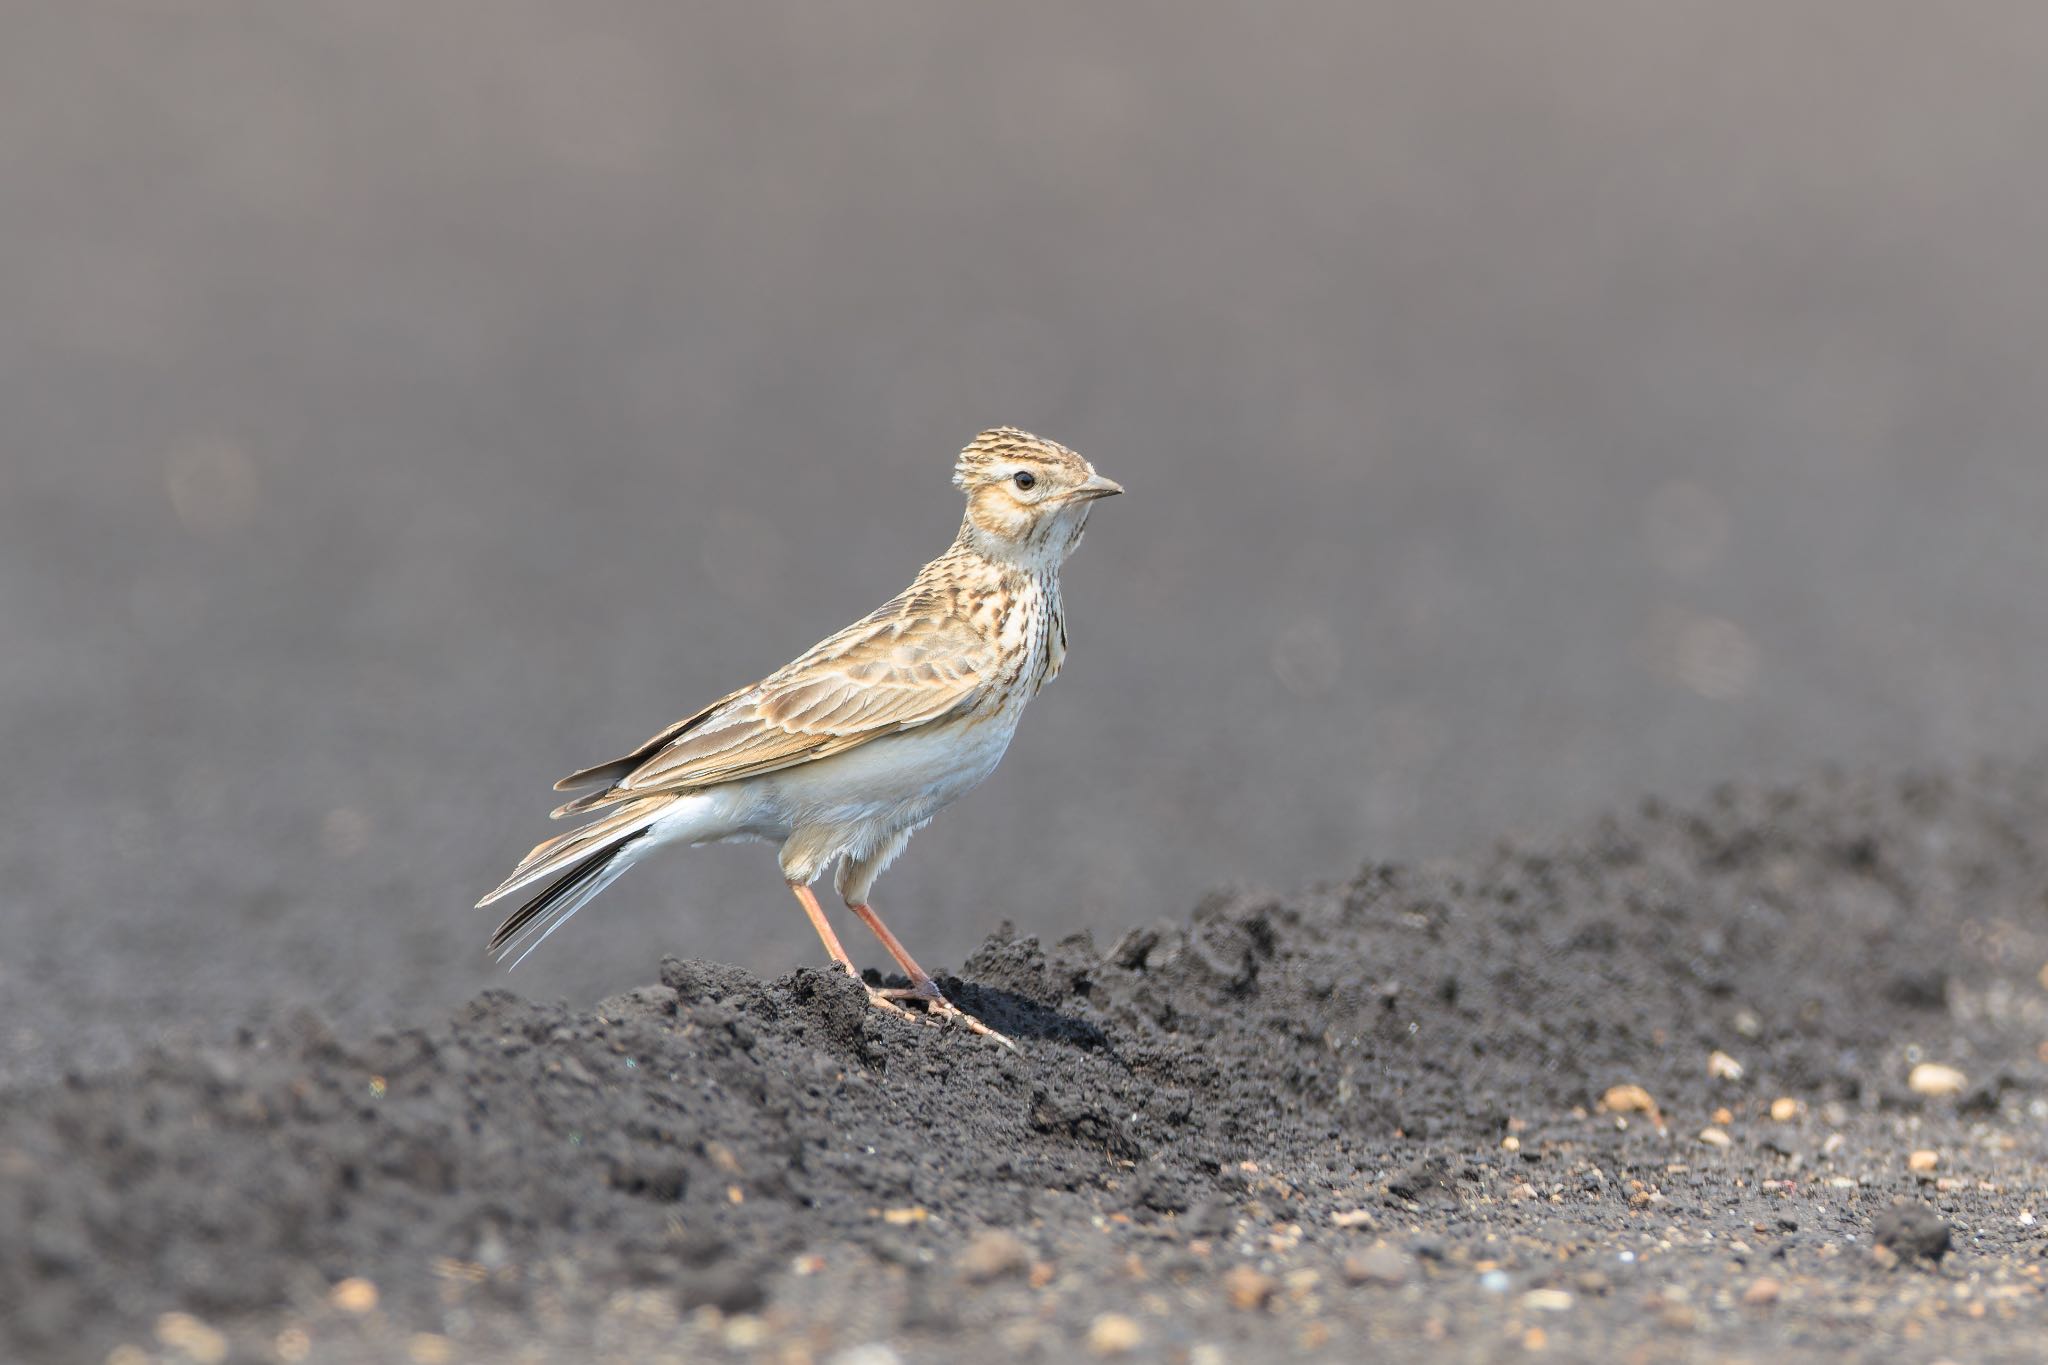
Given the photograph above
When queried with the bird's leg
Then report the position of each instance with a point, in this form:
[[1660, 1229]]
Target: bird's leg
[[832, 946], [922, 987], [921, 983]]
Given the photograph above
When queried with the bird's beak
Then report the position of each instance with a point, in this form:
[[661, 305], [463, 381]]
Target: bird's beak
[[1097, 487]]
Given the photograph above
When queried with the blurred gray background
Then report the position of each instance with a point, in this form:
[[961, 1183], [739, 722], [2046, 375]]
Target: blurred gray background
[[1524, 407]]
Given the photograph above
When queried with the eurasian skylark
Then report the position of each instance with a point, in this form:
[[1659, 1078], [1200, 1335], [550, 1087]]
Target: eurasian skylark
[[842, 754]]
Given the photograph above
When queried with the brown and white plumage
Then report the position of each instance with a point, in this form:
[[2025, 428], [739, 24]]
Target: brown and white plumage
[[844, 752]]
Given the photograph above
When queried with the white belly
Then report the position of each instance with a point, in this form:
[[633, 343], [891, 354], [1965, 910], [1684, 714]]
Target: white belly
[[889, 783], [860, 796]]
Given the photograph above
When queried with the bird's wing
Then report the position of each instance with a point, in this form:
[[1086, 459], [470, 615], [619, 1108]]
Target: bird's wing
[[892, 672]]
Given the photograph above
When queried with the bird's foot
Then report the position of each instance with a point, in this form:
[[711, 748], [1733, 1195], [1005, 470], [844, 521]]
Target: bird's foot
[[880, 1000], [937, 1008]]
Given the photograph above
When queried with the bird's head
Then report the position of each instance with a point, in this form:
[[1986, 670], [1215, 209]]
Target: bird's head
[[1027, 497]]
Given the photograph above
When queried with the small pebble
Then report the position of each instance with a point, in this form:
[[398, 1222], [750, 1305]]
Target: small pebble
[[1114, 1334], [1722, 1067], [868, 1353], [430, 1348], [1912, 1230], [992, 1255], [1923, 1161], [1378, 1265], [1784, 1109], [1937, 1081], [1762, 1292], [1495, 1282], [354, 1295], [745, 1331], [1248, 1287], [1715, 1137], [194, 1339], [1548, 1301], [1628, 1099]]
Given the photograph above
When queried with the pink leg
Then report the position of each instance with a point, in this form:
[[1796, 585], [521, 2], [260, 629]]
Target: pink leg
[[922, 987], [836, 950]]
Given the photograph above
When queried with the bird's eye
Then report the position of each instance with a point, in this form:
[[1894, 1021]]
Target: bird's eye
[[1025, 478]]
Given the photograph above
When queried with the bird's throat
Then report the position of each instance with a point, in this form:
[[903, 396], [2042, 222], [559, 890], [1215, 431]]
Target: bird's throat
[[1036, 545]]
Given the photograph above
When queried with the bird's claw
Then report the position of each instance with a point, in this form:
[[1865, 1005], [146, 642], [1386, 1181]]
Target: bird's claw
[[937, 1009], [881, 1001]]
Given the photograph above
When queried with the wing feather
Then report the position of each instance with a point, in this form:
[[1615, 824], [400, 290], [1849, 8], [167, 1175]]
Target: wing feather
[[894, 671], [617, 768]]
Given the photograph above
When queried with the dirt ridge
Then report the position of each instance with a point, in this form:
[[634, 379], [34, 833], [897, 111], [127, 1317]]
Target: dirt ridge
[[520, 1170]]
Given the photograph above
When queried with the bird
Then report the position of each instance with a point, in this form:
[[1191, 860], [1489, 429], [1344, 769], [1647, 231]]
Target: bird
[[842, 754]]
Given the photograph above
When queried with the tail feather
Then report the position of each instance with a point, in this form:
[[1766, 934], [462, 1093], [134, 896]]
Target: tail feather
[[572, 868], [530, 925], [563, 851]]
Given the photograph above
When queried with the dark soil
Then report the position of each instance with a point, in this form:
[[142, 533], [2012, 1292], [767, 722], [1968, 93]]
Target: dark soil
[[1366, 1116]]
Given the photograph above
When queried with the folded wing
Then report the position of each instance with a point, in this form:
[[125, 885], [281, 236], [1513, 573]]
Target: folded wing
[[894, 671]]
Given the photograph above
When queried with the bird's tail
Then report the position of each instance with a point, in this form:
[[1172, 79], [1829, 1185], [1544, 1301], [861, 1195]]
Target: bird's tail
[[574, 867]]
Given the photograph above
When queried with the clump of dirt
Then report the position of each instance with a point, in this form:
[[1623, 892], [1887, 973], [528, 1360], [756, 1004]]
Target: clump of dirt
[[1349, 1059]]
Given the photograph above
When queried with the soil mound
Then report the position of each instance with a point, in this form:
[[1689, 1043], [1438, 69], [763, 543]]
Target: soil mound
[[1410, 1065]]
